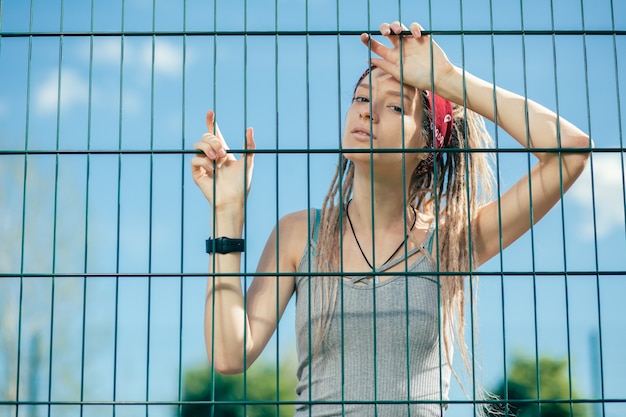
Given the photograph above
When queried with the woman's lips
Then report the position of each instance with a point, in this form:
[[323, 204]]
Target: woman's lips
[[362, 134]]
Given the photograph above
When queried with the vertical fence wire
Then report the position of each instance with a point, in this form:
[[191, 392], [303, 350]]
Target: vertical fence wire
[[183, 170], [532, 229], [405, 228], [87, 183], [153, 40], [566, 281], [246, 334], [55, 213], [213, 218], [475, 396], [18, 366], [593, 204], [118, 217], [277, 200], [498, 188], [623, 189], [307, 133], [341, 210]]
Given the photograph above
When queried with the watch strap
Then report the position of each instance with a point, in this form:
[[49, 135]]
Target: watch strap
[[225, 245]]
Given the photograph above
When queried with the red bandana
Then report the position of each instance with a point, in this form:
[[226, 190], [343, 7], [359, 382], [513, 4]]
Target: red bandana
[[440, 111]]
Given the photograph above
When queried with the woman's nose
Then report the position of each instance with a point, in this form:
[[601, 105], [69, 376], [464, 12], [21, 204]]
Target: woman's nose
[[366, 114]]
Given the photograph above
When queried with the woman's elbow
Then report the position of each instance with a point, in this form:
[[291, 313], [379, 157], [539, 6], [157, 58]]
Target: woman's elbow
[[230, 362], [577, 142], [584, 143], [228, 369], [575, 158], [576, 151]]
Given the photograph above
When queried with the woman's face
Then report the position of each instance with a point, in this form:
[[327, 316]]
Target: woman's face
[[383, 115]]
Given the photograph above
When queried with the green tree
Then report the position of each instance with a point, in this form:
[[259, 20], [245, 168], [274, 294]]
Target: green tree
[[260, 384], [554, 390]]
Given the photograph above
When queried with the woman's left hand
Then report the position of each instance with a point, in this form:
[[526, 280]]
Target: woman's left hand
[[418, 70]]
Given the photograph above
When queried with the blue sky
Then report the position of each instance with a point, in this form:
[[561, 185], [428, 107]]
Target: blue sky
[[142, 92]]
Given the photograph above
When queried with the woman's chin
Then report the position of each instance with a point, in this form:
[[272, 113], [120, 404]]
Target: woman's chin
[[359, 154]]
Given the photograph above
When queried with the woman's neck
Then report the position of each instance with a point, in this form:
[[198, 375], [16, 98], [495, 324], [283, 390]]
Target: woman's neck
[[384, 197]]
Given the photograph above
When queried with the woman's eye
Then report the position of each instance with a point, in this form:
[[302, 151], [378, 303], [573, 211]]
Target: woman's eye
[[361, 100], [397, 109]]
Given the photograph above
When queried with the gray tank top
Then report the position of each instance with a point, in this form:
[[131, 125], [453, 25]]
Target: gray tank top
[[382, 355]]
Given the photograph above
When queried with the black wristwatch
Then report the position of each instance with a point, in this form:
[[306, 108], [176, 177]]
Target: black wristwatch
[[225, 245]]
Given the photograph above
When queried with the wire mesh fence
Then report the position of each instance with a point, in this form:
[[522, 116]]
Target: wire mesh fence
[[103, 268]]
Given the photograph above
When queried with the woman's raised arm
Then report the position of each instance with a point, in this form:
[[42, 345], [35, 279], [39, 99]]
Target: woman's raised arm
[[425, 65], [235, 332], [533, 127]]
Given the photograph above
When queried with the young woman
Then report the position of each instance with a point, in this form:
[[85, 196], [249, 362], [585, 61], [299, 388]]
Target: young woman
[[396, 235]]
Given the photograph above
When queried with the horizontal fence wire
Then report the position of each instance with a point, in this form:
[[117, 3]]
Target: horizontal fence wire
[[299, 151], [310, 33], [291, 402], [305, 274]]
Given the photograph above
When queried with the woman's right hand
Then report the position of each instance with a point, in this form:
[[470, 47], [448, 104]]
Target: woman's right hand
[[220, 176], [423, 62]]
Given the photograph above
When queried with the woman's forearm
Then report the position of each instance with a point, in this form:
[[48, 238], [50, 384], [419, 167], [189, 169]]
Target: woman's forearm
[[528, 122], [225, 319]]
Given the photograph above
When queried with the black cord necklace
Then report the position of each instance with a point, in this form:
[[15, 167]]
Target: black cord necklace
[[394, 252]]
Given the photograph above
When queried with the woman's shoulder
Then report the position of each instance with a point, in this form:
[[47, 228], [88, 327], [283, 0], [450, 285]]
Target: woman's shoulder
[[293, 231], [298, 221]]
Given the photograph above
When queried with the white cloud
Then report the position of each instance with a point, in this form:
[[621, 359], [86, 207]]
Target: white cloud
[[74, 90], [133, 103], [168, 58], [607, 194], [107, 50], [137, 56]]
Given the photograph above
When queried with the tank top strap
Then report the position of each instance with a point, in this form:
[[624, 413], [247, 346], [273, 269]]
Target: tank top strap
[[430, 238], [397, 260], [315, 230], [316, 224], [427, 246]]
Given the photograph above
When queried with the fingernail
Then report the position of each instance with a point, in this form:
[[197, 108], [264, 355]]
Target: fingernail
[[211, 155]]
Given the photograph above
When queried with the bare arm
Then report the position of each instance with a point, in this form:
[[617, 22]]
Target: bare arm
[[554, 172], [230, 324], [236, 331], [533, 126]]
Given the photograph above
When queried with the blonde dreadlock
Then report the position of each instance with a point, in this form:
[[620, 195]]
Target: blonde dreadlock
[[452, 190]]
